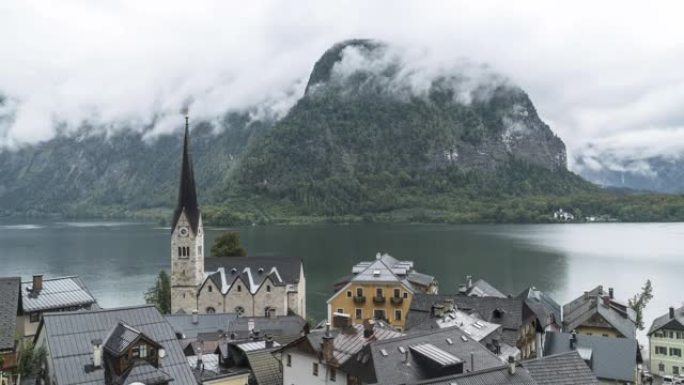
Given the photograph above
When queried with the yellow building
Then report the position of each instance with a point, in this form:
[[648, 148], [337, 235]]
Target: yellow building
[[381, 289]]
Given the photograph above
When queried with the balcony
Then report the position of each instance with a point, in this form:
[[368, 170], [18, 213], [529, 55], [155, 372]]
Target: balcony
[[397, 300], [378, 299], [359, 299]]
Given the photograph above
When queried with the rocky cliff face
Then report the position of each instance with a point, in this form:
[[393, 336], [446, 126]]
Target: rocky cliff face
[[367, 111]]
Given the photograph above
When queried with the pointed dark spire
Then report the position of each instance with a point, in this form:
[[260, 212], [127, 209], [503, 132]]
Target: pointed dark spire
[[187, 196]]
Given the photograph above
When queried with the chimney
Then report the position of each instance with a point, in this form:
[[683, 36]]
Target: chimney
[[469, 281], [269, 342], [37, 283], [368, 326], [610, 293], [672, 312], [511, 365], [327, 345], [538, 343], [341, 320], [437, 310], [97, 353], [195, 317], [586, 295], [199, 358], [406, 356], [573, 341]]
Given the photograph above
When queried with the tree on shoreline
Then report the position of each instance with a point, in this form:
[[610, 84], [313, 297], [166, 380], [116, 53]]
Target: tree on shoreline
[[228, 245], [159, 295], [639, 301]]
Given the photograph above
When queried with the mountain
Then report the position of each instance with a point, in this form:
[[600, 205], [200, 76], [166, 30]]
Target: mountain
[[360, 136], [657, 173], [377, 136], [95, 173]]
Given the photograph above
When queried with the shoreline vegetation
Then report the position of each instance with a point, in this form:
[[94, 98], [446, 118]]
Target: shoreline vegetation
[[602, 206]]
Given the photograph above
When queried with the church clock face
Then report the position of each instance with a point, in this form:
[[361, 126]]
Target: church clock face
[[183, 232]]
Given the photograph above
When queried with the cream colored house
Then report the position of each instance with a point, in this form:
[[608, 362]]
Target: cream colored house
[[666, 343]]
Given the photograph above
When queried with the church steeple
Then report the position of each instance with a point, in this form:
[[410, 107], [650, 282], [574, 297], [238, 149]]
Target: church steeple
[[187, 196]]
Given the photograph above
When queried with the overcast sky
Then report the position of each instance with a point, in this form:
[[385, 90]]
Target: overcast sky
[[606, 73]]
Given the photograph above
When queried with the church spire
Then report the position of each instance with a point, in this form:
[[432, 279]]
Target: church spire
[[187, 196]]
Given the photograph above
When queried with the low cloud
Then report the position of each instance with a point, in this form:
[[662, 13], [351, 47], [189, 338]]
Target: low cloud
[[605, 74]]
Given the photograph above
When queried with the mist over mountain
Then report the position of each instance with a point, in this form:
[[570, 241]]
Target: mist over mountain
[[664, 173], [379, 133]]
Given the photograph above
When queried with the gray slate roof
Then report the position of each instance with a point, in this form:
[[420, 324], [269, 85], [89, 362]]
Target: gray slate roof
[[387, 269], [580, 310], [482, 288], [665, 322], [282, 328], [9, 302], [547, 310], [120, 338], [611, 358], [445, 345], [265, 368], [494, 376], [57, 293], [561, 369], [513, 311], [253, 270], [69, 336]]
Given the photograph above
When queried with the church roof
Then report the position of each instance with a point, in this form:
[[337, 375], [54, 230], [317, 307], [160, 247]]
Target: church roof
[[187, 195]]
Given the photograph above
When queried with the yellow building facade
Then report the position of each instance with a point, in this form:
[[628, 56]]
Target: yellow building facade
[[360, 300]]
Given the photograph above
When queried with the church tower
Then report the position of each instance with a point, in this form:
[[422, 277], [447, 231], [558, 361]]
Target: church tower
[[187, 238]]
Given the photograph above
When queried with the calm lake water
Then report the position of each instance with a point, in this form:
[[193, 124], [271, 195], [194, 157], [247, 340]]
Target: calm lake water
[[119, 260]]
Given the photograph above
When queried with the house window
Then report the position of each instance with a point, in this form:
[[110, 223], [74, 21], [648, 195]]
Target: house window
[[143, 350], [211, 310], [268, 288], [397, 315], [379, 314], [605, 335], [676, 352], [199, 250], [34, 317], [349, 293], [339, 310], [679, 335], [333, 374], [358, 314], [661, 350], [661, 367], [671, 334], [378, 292], [289, 360], [209, 288], [239, 288], [397, 293], [359, 292], [675, 370], [315, 368], [405, 294]]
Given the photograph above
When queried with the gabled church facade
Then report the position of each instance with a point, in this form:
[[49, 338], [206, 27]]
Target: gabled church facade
[[250, 286]]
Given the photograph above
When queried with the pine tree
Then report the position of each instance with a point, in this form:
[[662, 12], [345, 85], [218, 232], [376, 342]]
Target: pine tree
[[160, 294]]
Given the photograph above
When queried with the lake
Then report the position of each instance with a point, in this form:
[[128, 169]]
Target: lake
[[119, 260]]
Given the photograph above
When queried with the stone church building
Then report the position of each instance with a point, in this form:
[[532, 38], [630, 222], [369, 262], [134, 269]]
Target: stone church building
[[250, 286]]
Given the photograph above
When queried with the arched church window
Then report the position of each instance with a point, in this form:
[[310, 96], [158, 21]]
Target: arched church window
[[211, 310]]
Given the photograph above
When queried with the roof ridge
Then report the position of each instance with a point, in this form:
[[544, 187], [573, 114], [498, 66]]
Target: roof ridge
[[55, 278], [65, 313]]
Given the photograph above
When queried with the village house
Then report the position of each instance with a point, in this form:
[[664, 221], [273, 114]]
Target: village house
[[523, 326], [40, 296], [666, 343], [249, 286], [328, 355], [112, 347], [612, 360], [380, 290], [598, 313], [479, 288], [9, 342]]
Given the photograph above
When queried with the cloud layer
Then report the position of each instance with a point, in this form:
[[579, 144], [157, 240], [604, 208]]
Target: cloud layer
[[607, 73]]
